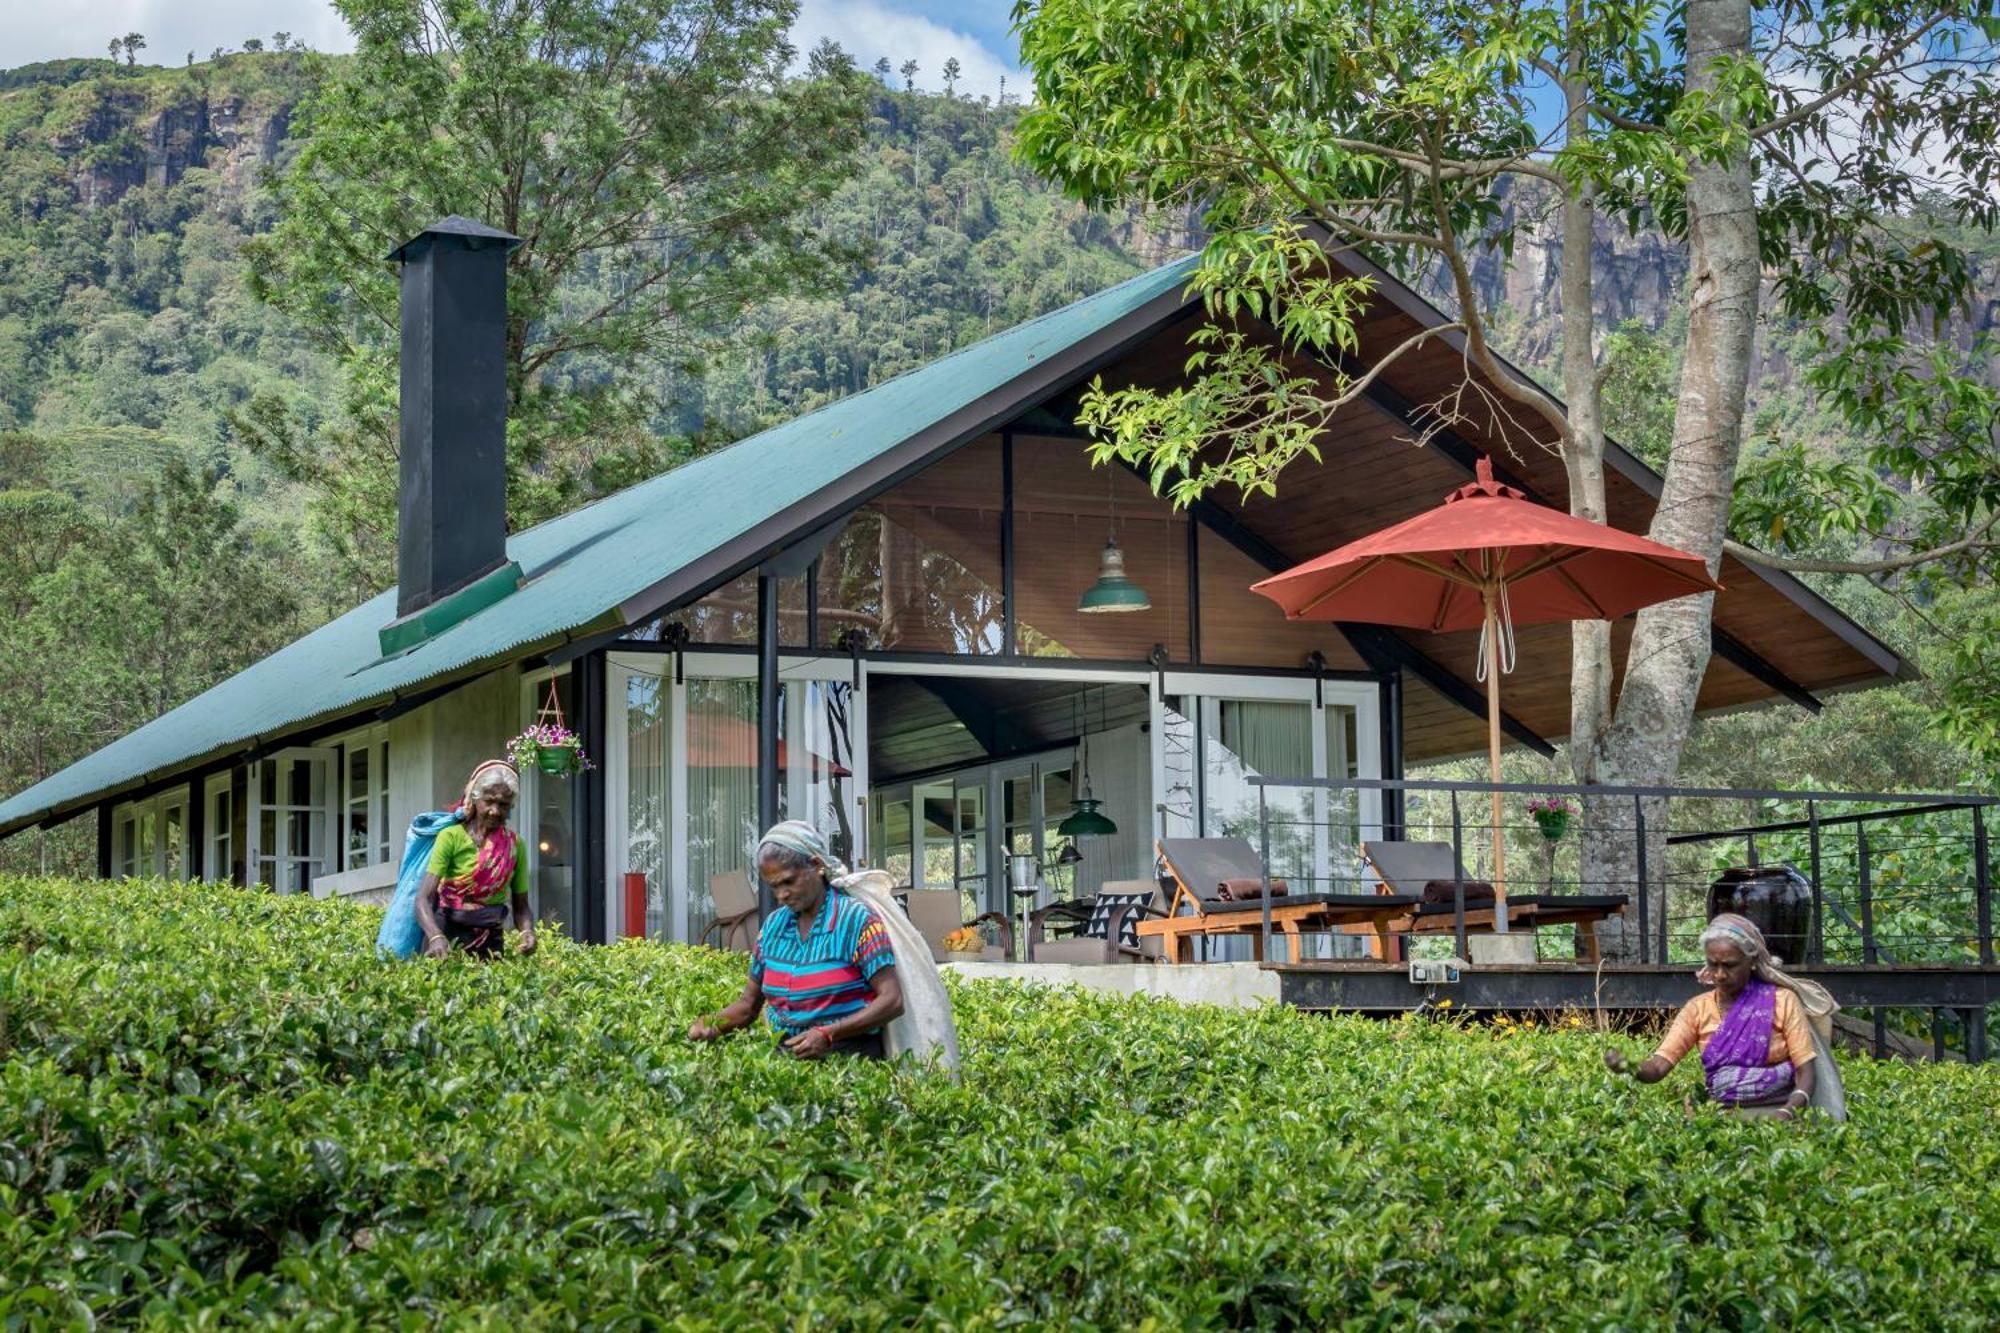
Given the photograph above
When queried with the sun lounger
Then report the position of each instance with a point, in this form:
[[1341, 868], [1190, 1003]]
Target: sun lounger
[[1428, 871], [1199, 867]]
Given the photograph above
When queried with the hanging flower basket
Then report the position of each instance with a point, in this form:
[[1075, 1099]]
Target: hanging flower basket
[[1552, 815], [549, 745]]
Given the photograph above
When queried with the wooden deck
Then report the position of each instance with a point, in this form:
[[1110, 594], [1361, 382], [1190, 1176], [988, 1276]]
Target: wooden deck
[[1368, 987]]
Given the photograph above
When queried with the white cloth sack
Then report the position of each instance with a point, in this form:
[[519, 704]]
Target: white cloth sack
[[925, 1030]]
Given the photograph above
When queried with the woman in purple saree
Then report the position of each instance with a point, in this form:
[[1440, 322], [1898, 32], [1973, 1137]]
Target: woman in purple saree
[[1763, 1036]]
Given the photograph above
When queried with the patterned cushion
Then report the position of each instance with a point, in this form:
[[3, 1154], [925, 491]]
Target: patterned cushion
[[1100, 916]]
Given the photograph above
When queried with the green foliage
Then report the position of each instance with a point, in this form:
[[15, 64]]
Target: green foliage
[[113, 617], [219, 1106], [654, 156]]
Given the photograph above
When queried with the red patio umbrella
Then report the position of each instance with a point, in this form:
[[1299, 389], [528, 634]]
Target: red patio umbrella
[[1492, 558]]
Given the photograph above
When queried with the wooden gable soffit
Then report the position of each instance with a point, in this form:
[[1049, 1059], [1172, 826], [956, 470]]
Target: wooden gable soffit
[[1381, 647], [1465, 455], [1631, 468]]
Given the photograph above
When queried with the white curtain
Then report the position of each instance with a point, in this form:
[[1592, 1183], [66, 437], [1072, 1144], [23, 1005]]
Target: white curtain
[[722, 788]]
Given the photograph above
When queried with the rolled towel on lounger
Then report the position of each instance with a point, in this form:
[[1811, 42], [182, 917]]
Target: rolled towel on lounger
[[1478, 893], [1247, 890]]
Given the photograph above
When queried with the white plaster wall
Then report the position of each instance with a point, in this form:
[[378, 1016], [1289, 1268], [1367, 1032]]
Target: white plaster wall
[[409, 773], [433, 749]]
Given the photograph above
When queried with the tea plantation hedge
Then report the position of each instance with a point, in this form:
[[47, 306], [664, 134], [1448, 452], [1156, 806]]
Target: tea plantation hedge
[[217, 1108]]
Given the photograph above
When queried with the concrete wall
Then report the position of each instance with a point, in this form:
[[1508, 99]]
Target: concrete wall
[[1234, 985]]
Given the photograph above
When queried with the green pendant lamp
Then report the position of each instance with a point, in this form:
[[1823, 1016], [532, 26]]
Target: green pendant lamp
[[1085, 821], [1114, 589]]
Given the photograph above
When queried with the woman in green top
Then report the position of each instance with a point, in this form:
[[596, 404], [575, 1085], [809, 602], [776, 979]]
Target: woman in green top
[[477, 872]]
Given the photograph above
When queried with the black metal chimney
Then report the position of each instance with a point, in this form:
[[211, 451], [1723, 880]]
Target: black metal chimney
[[451, 520]]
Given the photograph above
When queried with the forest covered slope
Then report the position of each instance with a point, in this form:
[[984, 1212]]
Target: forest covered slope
[[132, 509]]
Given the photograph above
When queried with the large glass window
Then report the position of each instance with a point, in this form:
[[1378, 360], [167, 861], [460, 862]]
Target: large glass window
[[1064, 510], [292, 791], [823, 779], [149, 838], [918, 569], [366, 838], [220, 824], [729, 614], [1245, 738]]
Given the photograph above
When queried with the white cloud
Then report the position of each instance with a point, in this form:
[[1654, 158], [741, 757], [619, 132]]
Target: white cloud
[[868, 29], [32, 32]]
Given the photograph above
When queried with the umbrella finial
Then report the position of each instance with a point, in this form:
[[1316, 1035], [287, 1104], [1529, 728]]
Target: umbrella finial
[[1484, 485]]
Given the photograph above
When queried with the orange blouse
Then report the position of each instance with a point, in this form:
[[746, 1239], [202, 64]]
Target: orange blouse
[[1701, 1016]]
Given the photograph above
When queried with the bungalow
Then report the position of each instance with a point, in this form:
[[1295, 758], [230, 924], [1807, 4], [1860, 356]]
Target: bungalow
[[899, 616]]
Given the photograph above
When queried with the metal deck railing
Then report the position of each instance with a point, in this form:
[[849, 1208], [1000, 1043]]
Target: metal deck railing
[[1898, 881]]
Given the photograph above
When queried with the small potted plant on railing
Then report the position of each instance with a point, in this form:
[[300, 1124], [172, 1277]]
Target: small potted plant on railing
[[1551, 815], [551, 747]]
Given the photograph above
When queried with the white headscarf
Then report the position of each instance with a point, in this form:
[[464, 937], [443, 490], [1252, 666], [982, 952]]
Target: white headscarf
[[1828, 1094]]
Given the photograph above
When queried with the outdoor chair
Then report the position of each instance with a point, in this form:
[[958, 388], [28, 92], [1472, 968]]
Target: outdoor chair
[[735, 924], [1200, 868], [1105, 928], [1428, 871], [935, 913]]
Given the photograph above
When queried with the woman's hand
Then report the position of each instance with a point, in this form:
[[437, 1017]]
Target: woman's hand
[[1615, 1061], [526, 944], [810, 1044], [706, 1028], [437, 946]]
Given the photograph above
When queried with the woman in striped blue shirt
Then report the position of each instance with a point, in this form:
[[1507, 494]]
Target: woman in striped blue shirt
[[823, 969]]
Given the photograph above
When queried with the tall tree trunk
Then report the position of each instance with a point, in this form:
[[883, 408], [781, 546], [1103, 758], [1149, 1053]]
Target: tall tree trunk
[[1583, 443], [1670, 643]]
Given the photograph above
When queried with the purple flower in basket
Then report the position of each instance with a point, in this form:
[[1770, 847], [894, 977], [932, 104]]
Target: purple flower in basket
[[1552, 814], [552, 747]]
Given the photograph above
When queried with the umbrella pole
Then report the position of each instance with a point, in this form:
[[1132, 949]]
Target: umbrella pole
[[1493, 759]]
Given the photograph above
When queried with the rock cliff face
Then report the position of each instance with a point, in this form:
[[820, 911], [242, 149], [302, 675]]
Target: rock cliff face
[[115, 135]]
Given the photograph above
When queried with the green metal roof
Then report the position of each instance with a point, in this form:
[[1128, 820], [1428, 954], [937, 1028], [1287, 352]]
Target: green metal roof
[[592, 569]]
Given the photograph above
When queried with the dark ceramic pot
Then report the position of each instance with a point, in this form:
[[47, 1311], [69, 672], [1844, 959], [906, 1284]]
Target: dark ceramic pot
[[1777, 899]]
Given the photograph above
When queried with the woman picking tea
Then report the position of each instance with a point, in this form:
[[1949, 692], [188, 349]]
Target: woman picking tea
[[1759, 1031]]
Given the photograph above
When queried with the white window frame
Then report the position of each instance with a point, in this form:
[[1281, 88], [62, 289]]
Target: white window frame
[[321, 860], [218, 831], [126, 858], [381, 848]]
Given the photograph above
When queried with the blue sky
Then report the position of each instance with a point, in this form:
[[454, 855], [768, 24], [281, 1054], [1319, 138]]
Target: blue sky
[[976, 32]]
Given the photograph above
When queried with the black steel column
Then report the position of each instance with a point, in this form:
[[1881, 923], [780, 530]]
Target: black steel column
[[589, 912], [104, 841], [1394, 811], [1982, 885], [767, 716], [1009, 639], [197, 828]]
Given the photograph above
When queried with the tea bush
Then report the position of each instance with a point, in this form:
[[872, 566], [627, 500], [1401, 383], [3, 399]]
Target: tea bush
[[216, 1108]]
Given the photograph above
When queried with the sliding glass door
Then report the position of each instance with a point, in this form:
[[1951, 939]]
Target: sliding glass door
[[681, 781]]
